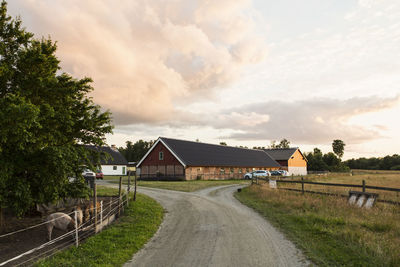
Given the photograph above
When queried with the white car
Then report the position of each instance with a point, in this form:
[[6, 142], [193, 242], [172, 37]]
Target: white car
[[255, 174], [88, 174]]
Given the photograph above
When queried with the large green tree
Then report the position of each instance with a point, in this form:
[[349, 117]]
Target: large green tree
[[46, 116]]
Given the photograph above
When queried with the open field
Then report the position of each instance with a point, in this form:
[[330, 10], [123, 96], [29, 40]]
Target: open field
[[116, 244], [327, 229], [186, 186], [377, 178], [372, 177]]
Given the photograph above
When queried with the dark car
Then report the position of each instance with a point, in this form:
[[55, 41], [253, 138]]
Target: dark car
[[276, 173], [99, 175]]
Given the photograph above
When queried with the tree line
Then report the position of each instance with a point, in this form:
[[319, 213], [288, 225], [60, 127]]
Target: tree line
[[385, 163], [331, 161]]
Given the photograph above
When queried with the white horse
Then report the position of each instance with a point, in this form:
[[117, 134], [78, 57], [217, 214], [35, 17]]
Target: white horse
[[62, 221]]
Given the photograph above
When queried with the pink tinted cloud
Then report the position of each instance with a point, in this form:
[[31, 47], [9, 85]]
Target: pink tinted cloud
[[147, 56]]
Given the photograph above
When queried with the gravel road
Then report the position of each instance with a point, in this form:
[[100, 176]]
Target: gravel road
[[211, 228]]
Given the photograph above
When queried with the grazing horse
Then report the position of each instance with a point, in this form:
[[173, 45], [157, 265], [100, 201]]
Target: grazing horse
[[62, 221]]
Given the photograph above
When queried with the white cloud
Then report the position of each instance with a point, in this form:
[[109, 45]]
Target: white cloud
[[146, 56], [312, 121]]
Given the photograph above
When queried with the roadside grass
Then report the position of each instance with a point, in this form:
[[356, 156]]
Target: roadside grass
[[116, 177], [328, 230], [116, 244], [104, 191], [189, 186], [185, 186]]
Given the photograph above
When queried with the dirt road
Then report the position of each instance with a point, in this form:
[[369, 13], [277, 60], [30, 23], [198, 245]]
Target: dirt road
[[211, 228]]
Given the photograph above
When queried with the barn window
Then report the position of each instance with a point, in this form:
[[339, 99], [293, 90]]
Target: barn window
[[247, 169], [199, 169], [222, 170], [161, 155], [114, 168], [232, 170], [240, 170]]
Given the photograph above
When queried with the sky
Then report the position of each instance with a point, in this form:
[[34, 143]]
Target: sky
[[236, 71]]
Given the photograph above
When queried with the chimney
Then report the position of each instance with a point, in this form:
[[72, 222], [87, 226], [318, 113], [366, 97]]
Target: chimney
[[114, 147]]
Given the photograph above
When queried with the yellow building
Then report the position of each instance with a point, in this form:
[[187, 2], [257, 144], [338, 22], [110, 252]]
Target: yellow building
[[290, 159]]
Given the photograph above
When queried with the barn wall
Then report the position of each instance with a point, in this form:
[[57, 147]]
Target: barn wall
[[297, 160], [297, 171], [153, 157], [220, 173]]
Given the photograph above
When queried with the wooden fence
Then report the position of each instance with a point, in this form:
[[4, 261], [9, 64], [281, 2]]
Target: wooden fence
[[363, 186]]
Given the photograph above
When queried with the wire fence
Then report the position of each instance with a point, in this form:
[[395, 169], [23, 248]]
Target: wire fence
[[103, 215]]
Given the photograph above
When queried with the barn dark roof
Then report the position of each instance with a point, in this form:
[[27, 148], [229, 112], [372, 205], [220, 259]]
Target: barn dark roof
[[281, 153], [202, 154], [116, 158]]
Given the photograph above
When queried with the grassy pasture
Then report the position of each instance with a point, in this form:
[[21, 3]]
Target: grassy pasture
[[185, 186], [327, 228], [374, 178]]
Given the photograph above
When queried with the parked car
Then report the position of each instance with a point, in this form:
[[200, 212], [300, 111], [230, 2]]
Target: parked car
[[99, 174], [283, 172], [88, 174], [260, 173], [276, 173]]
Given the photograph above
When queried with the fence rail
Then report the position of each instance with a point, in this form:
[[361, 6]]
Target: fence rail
[[107, 213], [303, 182]]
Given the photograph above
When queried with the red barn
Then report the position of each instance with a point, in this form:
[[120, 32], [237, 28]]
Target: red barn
[[173, 159]]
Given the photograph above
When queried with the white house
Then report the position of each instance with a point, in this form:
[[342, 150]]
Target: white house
[[115, 163]]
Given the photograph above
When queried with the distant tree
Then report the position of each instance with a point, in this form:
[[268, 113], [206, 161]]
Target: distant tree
[[45, 117], [283, 144], [315, 161], [222, 143], [273, 144], [135, 152], [338, 147]]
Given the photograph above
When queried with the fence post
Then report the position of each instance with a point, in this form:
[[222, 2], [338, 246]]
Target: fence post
[[363, 185], [129, 189], [119, 196], [95, 204], [302, 185], [101, 212], [76, 229], [134, 194], [109, 212]]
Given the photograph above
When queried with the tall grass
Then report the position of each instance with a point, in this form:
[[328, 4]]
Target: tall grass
[[328, 229]]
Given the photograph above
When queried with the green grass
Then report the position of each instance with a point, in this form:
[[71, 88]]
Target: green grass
[[104, 191], [185, 186], [116, 177], [328, 230], [116, 244]]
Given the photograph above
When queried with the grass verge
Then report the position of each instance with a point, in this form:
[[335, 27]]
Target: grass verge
[[327, 229], [188, 186], [116, 244], [185, 186]]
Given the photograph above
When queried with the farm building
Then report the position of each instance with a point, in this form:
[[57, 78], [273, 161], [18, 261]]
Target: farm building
[[114, 164], [290, 159], [172, 159]]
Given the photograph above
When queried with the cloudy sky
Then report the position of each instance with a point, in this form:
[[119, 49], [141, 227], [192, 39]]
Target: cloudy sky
[[240, 71]]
